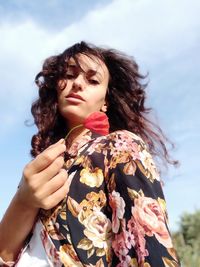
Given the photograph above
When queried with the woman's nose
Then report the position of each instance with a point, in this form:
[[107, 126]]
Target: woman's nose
[[79, 82]]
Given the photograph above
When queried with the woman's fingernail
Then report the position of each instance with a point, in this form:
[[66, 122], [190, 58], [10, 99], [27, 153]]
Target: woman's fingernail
[[61, 141]]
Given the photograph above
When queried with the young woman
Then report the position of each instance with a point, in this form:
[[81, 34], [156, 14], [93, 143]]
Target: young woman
[[92, 194]]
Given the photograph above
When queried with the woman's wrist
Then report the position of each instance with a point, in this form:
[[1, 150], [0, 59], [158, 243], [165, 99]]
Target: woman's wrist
[[24, 205], [15, 226]]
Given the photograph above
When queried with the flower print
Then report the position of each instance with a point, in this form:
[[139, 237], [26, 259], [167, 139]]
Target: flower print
[[98, 229], [83, 160], [92, 178], [76, 146], [98, 199], [117, 204], [173, 253], [49, 217], [93, 201], [170, 263], [131, 136], [148, 213], [119, 246], [130, 168], [128, 147], [122, 243], [99, 263], [126, 262], [120, 145], [97, 146], [162, 204], [116, 159], [124, 149], [123, 239], [50, 249], [86, 210], [124, 142], [68, 256], [73, 206], [140, 243], [149, 165]]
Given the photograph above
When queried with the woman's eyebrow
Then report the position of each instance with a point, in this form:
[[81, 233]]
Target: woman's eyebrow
[[72, 65], [89, 72], [92, 72]]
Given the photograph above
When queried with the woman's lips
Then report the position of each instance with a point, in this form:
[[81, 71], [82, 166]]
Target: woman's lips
[[74, 98]]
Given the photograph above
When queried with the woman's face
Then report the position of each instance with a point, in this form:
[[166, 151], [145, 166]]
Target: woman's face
[[85, 89]]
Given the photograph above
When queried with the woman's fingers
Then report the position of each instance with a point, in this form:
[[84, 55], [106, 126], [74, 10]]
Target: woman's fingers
[[44, 178], [52, 186], [61, 141], [43, 160], [52, 170], [52, 200], [57, 182]]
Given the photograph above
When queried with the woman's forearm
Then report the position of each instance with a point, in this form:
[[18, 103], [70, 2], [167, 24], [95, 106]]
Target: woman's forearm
[[44, 185], [14, 228]]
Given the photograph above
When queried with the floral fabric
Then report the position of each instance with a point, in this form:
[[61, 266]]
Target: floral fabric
[[114, 213]]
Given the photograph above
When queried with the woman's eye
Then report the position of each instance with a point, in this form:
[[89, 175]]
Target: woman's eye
[[70, 76], [93, 82]]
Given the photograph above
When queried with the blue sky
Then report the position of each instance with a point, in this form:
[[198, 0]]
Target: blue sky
[[163, 36]]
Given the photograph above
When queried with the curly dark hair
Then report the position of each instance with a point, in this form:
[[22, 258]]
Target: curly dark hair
[[125, 97]]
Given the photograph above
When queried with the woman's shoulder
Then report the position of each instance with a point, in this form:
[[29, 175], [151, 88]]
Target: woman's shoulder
[[128, 146], [120, 140], [125, 136]]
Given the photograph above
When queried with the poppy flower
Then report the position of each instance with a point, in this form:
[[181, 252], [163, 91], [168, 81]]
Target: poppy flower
[[97, 122]]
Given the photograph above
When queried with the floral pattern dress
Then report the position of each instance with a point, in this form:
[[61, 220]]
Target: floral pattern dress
[[114, 213]]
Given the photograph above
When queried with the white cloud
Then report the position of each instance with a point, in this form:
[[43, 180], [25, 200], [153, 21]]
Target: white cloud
[[22, 49], [151, 30], [158, 33]]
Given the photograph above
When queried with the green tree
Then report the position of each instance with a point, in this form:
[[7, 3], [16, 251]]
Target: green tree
[[187, 239]]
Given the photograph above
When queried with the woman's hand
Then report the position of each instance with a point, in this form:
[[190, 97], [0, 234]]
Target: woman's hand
[[44, 182], [43, 186]]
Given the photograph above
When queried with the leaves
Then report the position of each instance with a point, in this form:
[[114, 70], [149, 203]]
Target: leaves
[[172, 252], [162, 204], [90, 252], [63, 215], [134, 262], [146, 172], [100, 252], [187, 239], [69, 239], [99, 263], [134, 194], [85, 244], [92, 178], [130, 168], [111, 183], [73, 206], [170, 263]]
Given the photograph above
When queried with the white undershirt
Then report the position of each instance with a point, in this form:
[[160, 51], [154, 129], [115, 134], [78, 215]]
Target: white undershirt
[[34, 254]]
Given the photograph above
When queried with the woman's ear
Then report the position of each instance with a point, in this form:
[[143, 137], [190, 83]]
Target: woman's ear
[[104, 107]]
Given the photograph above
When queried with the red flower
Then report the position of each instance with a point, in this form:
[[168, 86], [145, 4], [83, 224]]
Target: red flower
[[97, 122]]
